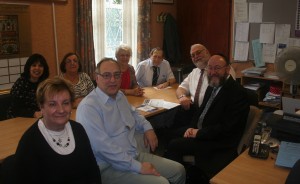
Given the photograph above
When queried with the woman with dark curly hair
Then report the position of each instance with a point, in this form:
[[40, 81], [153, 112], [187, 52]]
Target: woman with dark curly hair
[[23, 101]]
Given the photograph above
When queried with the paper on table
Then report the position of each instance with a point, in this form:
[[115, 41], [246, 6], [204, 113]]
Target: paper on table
[[160, 103], [288, 154], [146, 108], [162, 88]]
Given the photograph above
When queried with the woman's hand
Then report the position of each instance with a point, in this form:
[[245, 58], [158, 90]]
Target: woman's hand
[[163, 85], [138, 91]]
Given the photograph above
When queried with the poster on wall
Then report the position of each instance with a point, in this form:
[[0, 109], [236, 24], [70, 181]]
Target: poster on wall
[[9, 35]]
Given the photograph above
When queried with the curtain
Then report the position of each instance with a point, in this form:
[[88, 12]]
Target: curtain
[[143, 40], [129, 32], [84, 35], [130, 27], [99, 28]]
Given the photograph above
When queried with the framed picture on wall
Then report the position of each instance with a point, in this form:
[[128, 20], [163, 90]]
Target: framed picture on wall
[[163, 1], [47, 1]]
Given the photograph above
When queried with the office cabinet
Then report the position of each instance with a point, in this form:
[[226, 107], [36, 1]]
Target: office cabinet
[[204, 21], [264, 87], [261, 86]]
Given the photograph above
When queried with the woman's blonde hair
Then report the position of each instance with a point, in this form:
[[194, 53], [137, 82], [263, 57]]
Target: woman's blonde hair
[[50, 87]]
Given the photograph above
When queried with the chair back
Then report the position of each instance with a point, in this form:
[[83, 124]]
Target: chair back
[[294, 176], [254, 116], [7, 170]]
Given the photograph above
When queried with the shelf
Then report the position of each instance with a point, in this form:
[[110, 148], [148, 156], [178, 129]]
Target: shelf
[[264, 88], [270, 104]]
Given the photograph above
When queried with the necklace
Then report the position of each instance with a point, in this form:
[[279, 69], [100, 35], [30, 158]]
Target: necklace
[[59, 141]]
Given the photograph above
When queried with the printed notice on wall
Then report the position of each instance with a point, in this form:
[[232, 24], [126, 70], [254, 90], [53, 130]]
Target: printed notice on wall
[[255, 12], [240, 11]]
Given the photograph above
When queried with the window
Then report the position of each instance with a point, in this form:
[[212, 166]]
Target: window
[[114, 23]]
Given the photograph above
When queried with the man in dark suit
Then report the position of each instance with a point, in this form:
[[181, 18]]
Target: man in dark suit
[[218, 125]]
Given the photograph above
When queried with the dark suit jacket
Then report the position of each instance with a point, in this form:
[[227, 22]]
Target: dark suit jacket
[[223, 124], [226, 118]]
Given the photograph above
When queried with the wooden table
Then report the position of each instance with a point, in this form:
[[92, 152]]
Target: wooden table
[[248, 170], [11, 131]]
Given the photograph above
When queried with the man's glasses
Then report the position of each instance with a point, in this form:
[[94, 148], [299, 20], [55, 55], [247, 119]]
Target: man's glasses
[[108, 76], [216, 68], [197, 53]]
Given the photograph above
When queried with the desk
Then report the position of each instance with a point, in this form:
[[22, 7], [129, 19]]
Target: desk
[[11, 131], [247, 170]]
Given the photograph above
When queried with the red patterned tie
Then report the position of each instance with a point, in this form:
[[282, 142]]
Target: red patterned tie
[[196, 98]]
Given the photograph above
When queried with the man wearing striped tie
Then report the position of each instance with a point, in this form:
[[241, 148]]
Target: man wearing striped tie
[[155, 71], [218, 125]]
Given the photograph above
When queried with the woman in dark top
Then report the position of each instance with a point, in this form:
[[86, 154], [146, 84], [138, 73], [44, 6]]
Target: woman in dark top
[[55, 149], [23, 101]]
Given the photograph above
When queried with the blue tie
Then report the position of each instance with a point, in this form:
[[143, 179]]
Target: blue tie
[[209, 102]]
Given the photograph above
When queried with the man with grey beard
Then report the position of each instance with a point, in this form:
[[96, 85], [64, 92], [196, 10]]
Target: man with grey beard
[[217, 127], [199, 56]]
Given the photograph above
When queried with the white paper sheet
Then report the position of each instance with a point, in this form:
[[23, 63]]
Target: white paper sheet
[[269, 53], [242, 31], [294, 42], [282, 33], [241, 51], [255, 12], [266, 34], [240, 11]]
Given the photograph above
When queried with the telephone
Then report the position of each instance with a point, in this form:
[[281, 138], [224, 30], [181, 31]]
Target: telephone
[[257, 149]]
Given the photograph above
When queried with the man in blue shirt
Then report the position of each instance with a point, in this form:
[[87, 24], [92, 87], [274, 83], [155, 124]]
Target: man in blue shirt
[[111, 124]]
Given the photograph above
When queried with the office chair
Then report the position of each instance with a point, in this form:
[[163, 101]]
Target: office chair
[[254, 116]]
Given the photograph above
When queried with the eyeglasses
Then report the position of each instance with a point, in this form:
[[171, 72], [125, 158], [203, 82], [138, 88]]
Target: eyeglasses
[[70, 61], [124, 55], [197, 53], [108, 76], [216, 68]]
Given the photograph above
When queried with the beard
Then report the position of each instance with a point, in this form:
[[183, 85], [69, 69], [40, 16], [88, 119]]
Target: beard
[[217, 80], [201, 64]]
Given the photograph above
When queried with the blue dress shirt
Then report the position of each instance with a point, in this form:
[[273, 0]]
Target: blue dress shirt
[[111, 125]]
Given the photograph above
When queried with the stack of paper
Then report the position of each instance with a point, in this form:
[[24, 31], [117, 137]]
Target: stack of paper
[[252, 86], [254, 71]]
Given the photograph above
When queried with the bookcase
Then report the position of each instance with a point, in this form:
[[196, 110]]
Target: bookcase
[[262, 87]]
